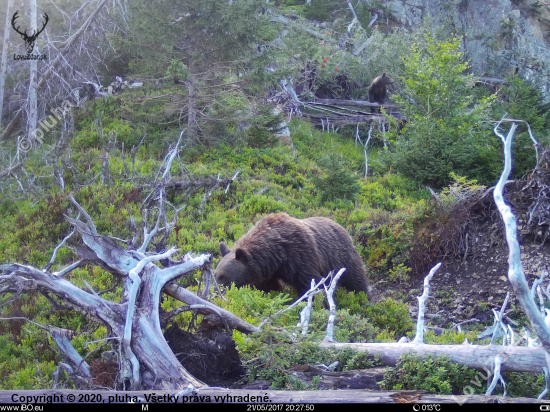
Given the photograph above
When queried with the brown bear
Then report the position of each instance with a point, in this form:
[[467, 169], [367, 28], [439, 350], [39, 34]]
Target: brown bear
[[377, 90], [283, 248]]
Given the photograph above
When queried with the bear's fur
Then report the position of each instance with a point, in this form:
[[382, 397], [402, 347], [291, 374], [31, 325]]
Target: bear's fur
[[283, 248], [377, 90]]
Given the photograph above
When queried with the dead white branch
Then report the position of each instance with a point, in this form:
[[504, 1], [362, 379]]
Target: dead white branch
[[515, 269], [499, 321], [496, 377], [305, 313], [234, 322], [332, 305], [313, 291], [419, 338], [300, 26]]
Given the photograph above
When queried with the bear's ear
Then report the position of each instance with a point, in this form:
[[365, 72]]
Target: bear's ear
[[224, 249], [242, 255]]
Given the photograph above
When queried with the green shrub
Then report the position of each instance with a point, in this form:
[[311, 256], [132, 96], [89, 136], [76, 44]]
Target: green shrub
[[521, 99], [434, 375], [338, 182], [449, 337], [386, 239], [529, 385], [390, 192], [447, 130], [391, 315], [399, 272], [386, 336], [263, 126], [354, 302], [274, 358]]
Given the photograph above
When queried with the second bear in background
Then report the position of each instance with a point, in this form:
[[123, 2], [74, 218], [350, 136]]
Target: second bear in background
[[378, 91]]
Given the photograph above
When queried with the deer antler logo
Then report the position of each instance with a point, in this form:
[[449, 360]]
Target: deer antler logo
[[29, 40]]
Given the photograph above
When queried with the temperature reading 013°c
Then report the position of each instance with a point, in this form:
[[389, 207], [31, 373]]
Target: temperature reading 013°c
[[428, 407]]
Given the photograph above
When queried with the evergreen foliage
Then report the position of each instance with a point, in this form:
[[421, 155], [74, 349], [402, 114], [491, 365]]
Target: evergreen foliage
[[209, 47], [522, 99], [446, 129], [434, 375], [337, 182]]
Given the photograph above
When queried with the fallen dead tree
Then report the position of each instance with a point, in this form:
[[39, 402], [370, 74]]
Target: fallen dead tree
[[390, 107], [145, 360], [354, 379], [518, 358], [338, 120], [331, 112]]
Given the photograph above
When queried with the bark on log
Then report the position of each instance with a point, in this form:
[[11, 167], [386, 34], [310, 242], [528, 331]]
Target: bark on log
[[220, 395], [190, 298], [490, 80], [356, 103], [348, 120], [356, 379], [517, 358]]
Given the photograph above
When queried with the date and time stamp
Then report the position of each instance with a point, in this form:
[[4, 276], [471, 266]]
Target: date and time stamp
[[42, 402]]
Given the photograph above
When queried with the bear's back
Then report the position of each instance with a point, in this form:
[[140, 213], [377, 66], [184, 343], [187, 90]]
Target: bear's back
[[278, 238], [335, 247]]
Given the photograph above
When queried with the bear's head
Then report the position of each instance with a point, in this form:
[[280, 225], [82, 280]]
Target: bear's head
[[385, 79], [233, 267]]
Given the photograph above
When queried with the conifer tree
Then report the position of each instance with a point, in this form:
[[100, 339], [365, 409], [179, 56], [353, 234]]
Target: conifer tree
[[204, 44]]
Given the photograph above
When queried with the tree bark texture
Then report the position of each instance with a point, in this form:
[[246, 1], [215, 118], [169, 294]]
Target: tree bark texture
[[517, 358], [7, 31]]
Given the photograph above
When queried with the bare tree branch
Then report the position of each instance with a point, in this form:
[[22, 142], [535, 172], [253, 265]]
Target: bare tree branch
[[515, 269]]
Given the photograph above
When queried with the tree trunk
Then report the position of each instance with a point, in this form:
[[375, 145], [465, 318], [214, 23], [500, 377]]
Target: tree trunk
[[148, 339], [192, 106], [355, 379], [7, 31], [518, 358], [516, 276], [32, 99]]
